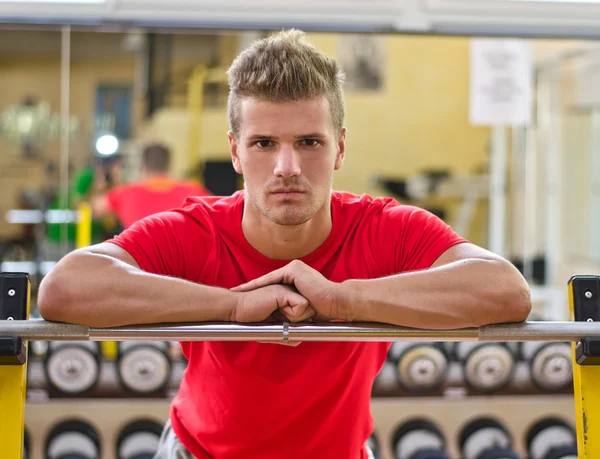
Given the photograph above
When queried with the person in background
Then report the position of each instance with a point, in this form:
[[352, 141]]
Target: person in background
[[155, 192]]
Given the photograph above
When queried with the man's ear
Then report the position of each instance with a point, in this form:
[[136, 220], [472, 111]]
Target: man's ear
[[341, 150], [233, 149]]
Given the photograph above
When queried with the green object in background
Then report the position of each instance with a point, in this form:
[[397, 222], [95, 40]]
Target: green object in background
[[81, 188]]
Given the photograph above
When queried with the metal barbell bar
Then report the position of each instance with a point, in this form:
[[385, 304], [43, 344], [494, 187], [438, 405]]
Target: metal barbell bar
[[290, 332]]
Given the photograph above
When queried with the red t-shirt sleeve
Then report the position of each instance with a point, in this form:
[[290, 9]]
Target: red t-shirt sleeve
[[169, 243], [421, 238], [113, 198]]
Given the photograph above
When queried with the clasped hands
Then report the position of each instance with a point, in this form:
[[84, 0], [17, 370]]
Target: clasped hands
[[297, 292]]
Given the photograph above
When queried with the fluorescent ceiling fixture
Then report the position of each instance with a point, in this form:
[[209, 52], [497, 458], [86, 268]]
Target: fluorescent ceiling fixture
[[554, 1], [95, 2]]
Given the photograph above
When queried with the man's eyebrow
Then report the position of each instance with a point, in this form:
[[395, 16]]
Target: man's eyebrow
[[313, 135], [261, 137]]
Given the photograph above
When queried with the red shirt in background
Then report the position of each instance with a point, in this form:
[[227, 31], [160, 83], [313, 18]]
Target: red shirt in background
[[135, 201], [266, 401]]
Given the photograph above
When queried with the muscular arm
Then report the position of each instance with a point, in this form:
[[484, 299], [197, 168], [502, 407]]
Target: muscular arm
[[466, 287], [102, 286]]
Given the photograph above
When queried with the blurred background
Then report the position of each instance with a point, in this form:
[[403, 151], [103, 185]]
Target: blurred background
[[486, 113]]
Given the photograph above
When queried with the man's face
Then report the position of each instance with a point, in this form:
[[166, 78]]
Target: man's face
[[287, 152]]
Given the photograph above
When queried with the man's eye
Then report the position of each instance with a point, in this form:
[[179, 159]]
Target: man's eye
[[310, 142], [264, 143]]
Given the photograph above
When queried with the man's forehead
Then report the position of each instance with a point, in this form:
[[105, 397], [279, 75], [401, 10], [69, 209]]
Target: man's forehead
[[264, 117]]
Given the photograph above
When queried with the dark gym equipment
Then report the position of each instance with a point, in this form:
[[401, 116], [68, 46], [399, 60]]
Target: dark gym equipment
[[138, 439], [485, 438], [419, 439], [551, 438], [373, 444], [73, 439]]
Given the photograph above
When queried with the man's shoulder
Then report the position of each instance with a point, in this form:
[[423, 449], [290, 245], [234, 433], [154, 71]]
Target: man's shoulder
[[214, 204], [364, 202]]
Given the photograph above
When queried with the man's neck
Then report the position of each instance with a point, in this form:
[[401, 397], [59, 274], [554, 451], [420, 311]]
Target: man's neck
[[286, 242]]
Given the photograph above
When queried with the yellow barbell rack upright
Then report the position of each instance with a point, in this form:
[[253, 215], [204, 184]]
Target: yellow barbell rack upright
[[584, 303], [15, 292]]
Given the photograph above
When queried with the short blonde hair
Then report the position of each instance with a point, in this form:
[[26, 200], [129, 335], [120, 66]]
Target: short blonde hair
[[284, 67]]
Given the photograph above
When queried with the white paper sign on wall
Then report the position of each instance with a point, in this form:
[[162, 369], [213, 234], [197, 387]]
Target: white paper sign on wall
[[501, 79]]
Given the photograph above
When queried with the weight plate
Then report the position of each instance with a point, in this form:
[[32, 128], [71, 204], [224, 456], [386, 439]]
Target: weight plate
[[488, 368], [564, 452], [432, 454], [138, 438], [547, 434], [551, 367], [72, 369], [144, 369], [422, 369], [124, 346], [481, 434], [386, 378], [73, 438], [373, 445], [499, 453], [417, 435]]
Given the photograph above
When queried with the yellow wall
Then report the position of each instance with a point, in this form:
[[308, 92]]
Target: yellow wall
[[419, 120]]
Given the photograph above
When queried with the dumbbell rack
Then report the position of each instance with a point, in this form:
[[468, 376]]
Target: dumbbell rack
[[448, 412], [108, 407]]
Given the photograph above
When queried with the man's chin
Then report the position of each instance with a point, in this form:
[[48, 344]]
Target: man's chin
[[287, 218]]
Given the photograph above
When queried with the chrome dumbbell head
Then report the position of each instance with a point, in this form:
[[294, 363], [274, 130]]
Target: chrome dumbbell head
[[144, 367], [550, 364], [485, 438], [138, 439], [420, 367], [73, 439], [551, 438], [487, 367], [72, 368], [419, 439]]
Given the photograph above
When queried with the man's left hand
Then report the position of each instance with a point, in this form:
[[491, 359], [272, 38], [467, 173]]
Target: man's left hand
[[322, 294]]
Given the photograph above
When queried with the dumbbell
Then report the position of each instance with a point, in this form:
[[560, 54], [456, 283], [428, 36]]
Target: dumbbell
[[73, 439], [373, 445], [26, 443], [485, 438], [144, 367], [551, 438], [138, 439], [72, 367], [420, 367], [419, 439], [550, 364], [487, 367]]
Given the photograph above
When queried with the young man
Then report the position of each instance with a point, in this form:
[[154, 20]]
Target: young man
[[155, 192], [286, 244]]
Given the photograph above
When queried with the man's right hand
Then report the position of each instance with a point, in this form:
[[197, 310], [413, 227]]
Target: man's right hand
[[258, 305]]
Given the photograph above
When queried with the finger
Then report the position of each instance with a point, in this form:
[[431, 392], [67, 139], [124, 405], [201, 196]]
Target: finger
[[298, 314], [274, 277]]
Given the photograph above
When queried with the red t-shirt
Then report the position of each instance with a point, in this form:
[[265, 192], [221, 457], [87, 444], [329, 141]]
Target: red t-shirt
[[134, 201], [266, 401]]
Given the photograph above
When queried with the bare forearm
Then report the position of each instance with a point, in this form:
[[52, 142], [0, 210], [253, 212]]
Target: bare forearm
[[100, 291], [467, 293]]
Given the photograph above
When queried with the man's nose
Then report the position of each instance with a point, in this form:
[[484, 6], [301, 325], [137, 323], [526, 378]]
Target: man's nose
[[288, 162]]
